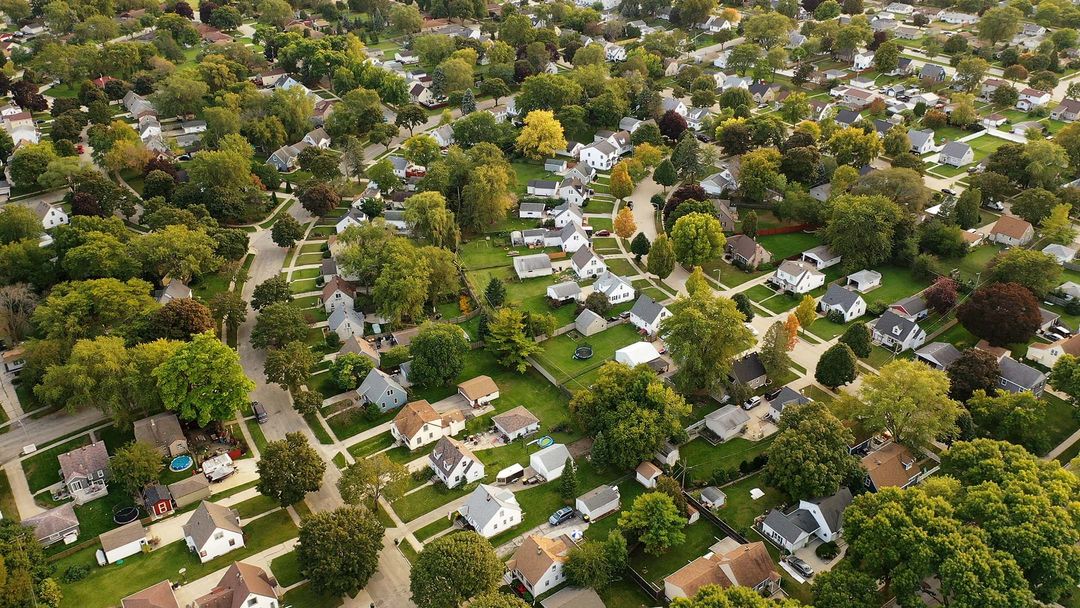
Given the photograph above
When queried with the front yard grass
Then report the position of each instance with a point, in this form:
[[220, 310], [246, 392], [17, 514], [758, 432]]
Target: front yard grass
[[7, 499], [728, 275], [257, 436], [43, 469], [783, 246], [622, 267], [306, 597], [105, 586], [433, 528], [1061, 419], [256, 505], [699, 537], [286, 569]]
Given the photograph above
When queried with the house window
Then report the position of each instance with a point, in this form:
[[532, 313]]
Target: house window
[[252, 601], [218, 535], [232, 542]]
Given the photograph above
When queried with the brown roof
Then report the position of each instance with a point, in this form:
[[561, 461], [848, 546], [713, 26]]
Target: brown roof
[[414, 416], [886, 466], [156, 596], [337, 284], [118, 537], [515, 419], [14, 354], [997, 351], [359, 346], [536, 555], [1010, 226], [84, 461], [648, 470], [240, 582], [746, 565], [191, 485], [480, 386], [1070, 345], [159, 430]]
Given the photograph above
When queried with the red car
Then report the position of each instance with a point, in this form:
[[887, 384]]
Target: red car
[[79, 148], [603, 233]]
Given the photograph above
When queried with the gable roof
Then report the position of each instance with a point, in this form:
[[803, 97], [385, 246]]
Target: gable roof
[[207, 519], [1011, 226], [886, 466], [516, 419], [118, 537], [582, 257], [448, 453], [538, 554], [748, 368], [156, 596], [240, 582], [941, 352], [376, 383], [486, 501], [840, 296], [888, 322], [787, 396], [832, 507], [84, 461], [1020, 374], [53, 521], [159, 430], [337, 283], [480, 386], [599, 496], [746, 565], [413, 416], [587, 317], [956, 149], [608, 282], [729, 417], [647, 309]]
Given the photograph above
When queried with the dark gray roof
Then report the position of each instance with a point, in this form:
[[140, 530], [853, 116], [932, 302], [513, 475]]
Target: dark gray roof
[[543, 183], [931, 69], [748, 368], [912, 305], [328, 266], [890, 320], [840, 296], [791, 526], [786, 397], [532, 207], [447, 454], [155, 493], [646, 309], [1020, 374], [847, 117], [919, 137], [955, 149], [582, 257], [832, 507], [941, 352], [882, 126], [599, 497]]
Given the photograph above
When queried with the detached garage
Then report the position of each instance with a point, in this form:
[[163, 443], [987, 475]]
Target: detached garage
[[122, 542], [598, 502]]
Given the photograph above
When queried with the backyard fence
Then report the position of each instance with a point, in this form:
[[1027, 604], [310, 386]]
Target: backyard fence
[[651, 589], [784, 229], [713, 518]]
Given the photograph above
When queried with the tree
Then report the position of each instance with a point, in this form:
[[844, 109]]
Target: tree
[[661, 257], [596, 564], [774, 350], [568, 484], [686, 157], [999, 23], [271, 291], [17, 223], [665, 174], [1047, 162], [640, 246], [494, 87], [1018, 418], [429, 219], [410, 116], [967, 208], [495, 292], [656, 522], [697, 238], [319, 198], [372, 478], [17, 304], [809, 457], [277, 325], [941, 296], [289, 469], [743, 305], [760, 173], [857, 337], [286, 231], [632, 409], [495, 599], [844, 587], [541, 136], [703, 334], [902, 186], [908, 399], [29, 162], [438, 580], [179, 94], [339, 550], [861, 229], [806, 311], [289, 366], [180, 319], [970, 73], [349, 369], [135, 466], [672, 125], [853, 146], [837, 366], [438, 352], [1058, 228], [1034, 205], [599, 303], [1037, 271], [507, 339], [406, 18], [887, 57], [203, 381], [621, 184], [987, 313], [1065, 376], [487, 197]]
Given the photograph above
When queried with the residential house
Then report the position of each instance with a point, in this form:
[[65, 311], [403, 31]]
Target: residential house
[[173, 290], [163, 432], [863, 61], [1048, 354], [1017, 377], [727, 422], [931, 72], [157, 500], [821, 192], [515, 423], [597, 502], [538, 562], [957, 154], [550, 462], [355, 345], [1012, 231], [21, 127], [844, 301], [897, 333], [746, 565], [564, 292], [913, 307], [956, 18], [284, 158], [85, 472], [938, 355], [444, 136], [242, 585], [1061, 253], [530, 266], [672, 104], [532, 210], [821, 517], [189, 490], [454, 464], [1068, 110], [797, 277], [418, 424], [715, 24], [51, 216], [746, 252], [14, 359], [846, 118], [155, 596], [566, 213], [647, 314], [589, 323], [695, 118], [616, 288], [647, 473], [479, 391], [355, 217], [55, 525], [380, 389], [490, 510], [989, 86], [764, 92], [1032, 98], [749, 371], [345, 322], [821, 257], [717, 183], [586, 263], [864, 280], [213, 531], [599, 155], [337, 293], [858, 98], [557, 165], [891, 466], [787, 396], [614, 52], [395, 218], [922, 140], [727, 214]]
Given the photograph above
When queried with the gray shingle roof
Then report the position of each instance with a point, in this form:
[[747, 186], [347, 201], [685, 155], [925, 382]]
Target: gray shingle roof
[[941, 352], [598, 497], [786, 397], [840, 296], [646, 309], [791, 526], [919, 137], [832, 507], [748, 368], [376, 384], [209, 518], [1020, 374], [568, 289], [889, 321], [955, 149]]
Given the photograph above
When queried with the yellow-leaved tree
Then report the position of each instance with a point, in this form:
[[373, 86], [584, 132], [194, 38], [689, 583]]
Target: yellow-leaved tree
[[541, 136]]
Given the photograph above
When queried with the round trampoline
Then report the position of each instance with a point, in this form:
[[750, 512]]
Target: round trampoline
[[124, 515], [545, 441], [182, 462], [583, 352]]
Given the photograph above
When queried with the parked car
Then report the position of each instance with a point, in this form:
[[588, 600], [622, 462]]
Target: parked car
[[800, 566], [750, 403], [603, 233], [260, 412], [769, 396], [948, 191], [80, 149], [995, 205], [629, 204], [563, 514]]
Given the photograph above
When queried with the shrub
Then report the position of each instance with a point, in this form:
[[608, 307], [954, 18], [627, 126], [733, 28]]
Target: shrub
[[835, 316], [333, 341], [827, 551], [372, 411], [877, 308], [76, 573]]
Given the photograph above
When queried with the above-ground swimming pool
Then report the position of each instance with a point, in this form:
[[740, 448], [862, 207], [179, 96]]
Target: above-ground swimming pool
[[182, 462], [545, 441]]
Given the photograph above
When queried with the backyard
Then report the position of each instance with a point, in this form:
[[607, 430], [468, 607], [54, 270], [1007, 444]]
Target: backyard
[[558, 354]]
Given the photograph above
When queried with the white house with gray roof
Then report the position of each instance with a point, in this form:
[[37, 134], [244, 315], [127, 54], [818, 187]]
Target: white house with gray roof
[[550, 461], [922, 140], [565, 213], [213, 531], [647, 314], [599, 155], [569, 238], [532, 211], [1017, 377], [490, 510], [598, 502], [957, 154], [589, 323], [849, 304], [587, 264], [797, 277], [530, 266], [820, 517], [727, 422], [822, 257], [561, 292], [897, 333], [787, 396], [938, 355], [615, 288], [345, 322], [454, 464], [382, 390]]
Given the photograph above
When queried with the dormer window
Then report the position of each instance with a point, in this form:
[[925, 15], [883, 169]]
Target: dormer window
[[896, 330]]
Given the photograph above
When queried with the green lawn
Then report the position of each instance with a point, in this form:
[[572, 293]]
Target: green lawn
[[622, 267], [740, 510], [699, 537], [530, 170], [783, 246], [302, 286], [96, 516], [428, 498], [704, 458], [105, 586], [306, 597], [286, 569], [256, 505], [827, 330], [1061, 419], [7, 499], [371, 446], [600, 223], [728, 275], [528, 295], [602, 244], [558, 354], [485, 253], [433, 528], [320, 432], [257, 436], [43, 469]]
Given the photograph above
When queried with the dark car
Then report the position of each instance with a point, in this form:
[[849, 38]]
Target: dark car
[[800, 566], [563, 514], [769, 396], [603, 233], [948, 191]]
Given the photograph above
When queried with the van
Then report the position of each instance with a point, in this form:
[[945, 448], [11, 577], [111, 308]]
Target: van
[[260, 412]]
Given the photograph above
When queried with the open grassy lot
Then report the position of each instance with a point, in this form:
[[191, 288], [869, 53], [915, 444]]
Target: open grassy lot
[[1061, 419], [43, 469], [106, 586], [529, 170], [704, 458], [529, 295], [783, 246], [558, 355], [727, 274], [485, 253], [256, 505], [740, 510], [306, 597]]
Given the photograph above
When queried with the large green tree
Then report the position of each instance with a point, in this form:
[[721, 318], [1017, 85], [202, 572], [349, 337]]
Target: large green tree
[[655, 521], [203, 381], [438, 352], [277, 325], [372, 478], [809, 457], [135, 465], [860, 228], [438, 580], [289, 468], [508, 341], [339, 550], [703, 334]]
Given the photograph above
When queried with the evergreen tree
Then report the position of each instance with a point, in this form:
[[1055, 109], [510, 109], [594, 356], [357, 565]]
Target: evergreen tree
[[640, 246], [662, 257], [568, 483], [749, 224], [743, 304], [495, 292], [967, 208], [468, 102], [482, 327], [686, 157], [857, 337], [665, 174]]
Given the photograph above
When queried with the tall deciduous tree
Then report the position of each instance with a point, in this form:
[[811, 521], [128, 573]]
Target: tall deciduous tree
[[837, 366], [655, 521], [289, 366], [861, 229], [697, 238], [1001, 313], [975, 370], [271, 291], [372, 478], [858, 338], [277, 325], [339, 550], [438, 580], [438, 352], [289, 469], [286, 231], [541, 136], [809, 457], [135, 465], [203, 381], [661, 257], [704, 333]]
